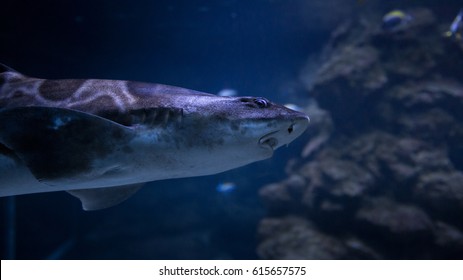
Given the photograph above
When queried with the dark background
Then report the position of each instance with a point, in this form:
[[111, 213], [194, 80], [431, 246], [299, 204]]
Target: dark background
[[255, 47]]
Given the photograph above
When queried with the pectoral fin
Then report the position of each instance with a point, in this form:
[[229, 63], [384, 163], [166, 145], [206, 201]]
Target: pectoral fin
[[101, 198], [57, 143]]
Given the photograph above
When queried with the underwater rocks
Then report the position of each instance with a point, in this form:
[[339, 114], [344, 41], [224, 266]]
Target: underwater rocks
[[377, 188], [363, 64], [351, 168], [347, 67], [296, 238], [429, 110], [393, 221], [321, 126], [449, 239], [387, 182], [441, 193]]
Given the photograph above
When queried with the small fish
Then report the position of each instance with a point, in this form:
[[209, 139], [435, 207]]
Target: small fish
[[456, 28], [293, 107], [226, 92], [225, 187], [396, 20]]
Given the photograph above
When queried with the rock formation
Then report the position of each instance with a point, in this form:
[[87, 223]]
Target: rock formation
[[382, 172]]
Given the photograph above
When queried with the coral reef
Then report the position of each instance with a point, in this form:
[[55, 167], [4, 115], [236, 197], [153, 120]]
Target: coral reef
[[386, 180]]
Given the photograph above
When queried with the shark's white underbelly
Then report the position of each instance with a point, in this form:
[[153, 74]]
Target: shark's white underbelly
[[116, 170]]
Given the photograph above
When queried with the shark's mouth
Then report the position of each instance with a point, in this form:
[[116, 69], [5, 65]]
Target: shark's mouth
[[267, 141]]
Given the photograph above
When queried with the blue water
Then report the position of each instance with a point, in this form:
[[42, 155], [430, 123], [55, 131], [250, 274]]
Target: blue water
[[256, 47]]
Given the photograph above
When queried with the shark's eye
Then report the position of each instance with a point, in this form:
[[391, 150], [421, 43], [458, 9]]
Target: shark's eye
[[261, 102]]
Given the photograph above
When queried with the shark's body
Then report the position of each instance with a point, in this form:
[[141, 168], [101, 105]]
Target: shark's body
[[98, 139]]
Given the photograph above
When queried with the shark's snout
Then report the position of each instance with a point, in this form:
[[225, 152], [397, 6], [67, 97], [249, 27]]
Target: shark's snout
[[298, 126]]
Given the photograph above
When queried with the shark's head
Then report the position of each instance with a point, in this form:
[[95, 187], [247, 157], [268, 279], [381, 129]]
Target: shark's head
[[228, 132], [259, 124]]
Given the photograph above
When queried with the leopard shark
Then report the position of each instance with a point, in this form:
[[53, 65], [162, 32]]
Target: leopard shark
[[100, 140]]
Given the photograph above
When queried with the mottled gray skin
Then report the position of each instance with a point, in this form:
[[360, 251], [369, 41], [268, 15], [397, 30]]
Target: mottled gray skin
[[85, 134]]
